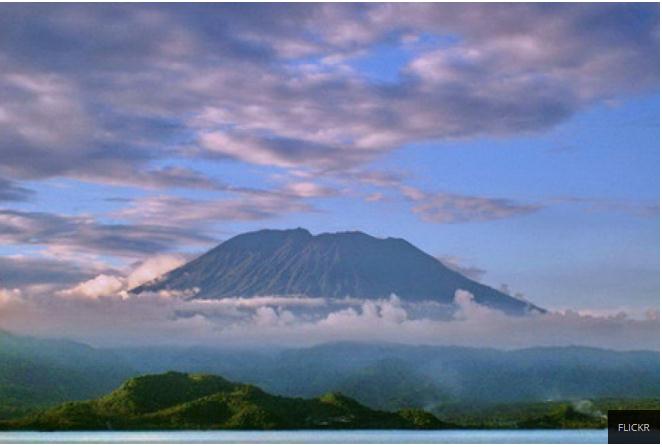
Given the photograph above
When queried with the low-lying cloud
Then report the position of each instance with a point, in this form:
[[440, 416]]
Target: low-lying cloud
[[101, 311], [118, 318], [114, 284]]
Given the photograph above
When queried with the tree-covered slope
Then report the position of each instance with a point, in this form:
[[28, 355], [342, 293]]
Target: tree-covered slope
[[194, 401], [41, 372], [549, 414], [38, 373], [388, 374]]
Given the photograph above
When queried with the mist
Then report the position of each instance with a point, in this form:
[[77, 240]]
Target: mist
[[123, 319]]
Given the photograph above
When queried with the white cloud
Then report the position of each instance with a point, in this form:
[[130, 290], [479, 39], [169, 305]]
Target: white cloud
[[10, 296], [246, 149], [101, 285], [507, 69], [268, 316], [309, 189], [154, 267], [469, 309], [288, 321], [270, 301], [49, 97], [457, 263], [105, 285]]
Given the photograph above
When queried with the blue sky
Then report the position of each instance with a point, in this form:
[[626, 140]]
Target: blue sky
[[524, 152]]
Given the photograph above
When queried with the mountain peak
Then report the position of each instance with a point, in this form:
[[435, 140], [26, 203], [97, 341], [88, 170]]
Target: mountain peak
[[345, 264], [275, 233]]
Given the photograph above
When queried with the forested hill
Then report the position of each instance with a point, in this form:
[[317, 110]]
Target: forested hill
[[197, 401]]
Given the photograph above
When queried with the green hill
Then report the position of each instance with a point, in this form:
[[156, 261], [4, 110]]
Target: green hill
[[196, 401]]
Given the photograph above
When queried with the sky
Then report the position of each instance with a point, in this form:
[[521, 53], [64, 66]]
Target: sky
[[518, 143]]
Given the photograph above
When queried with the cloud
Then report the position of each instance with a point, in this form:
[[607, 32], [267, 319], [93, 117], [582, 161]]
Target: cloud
[[455, 208], [284, 152], [268, 301], [456, 263], [469, 309], [102, 285], [151, 80], [20, 271], [82, 240], [10, 296], [153, 267], [32, 102], [86, 235], [309, 189], [378, 178], [10, 192], [120, 94], [167, 177], [120, 319], [105, 285], [185, 212]]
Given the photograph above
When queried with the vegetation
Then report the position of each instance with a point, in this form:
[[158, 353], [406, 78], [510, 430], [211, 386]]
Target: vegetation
[[195, 401], [468, 387], [390, 376], [38, 373], [551, 414], [391, 384], [199, 402]]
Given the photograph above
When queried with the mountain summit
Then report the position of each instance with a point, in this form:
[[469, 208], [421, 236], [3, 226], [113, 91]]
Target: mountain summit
[[331, 265]]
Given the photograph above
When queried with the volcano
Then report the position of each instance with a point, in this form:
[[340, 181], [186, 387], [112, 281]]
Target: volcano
[[330, 265]]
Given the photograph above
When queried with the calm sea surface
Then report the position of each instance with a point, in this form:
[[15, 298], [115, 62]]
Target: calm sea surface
[[317, 436]]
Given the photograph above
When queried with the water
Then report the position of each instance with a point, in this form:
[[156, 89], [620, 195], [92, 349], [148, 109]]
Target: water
[[317, 436]]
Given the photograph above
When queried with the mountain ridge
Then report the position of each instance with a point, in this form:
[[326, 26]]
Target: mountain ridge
[[37, 373], [330, 265]]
